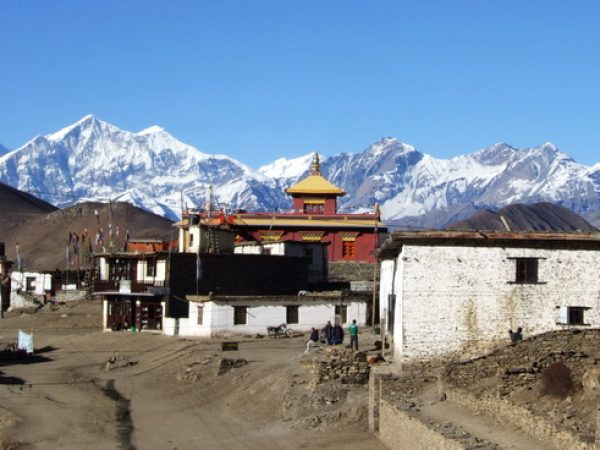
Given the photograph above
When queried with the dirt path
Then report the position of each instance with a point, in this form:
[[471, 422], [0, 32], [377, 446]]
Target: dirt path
[[164, 392], [475, 424]]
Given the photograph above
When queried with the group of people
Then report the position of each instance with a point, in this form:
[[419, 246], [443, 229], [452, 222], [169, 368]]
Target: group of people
[[333, 335]]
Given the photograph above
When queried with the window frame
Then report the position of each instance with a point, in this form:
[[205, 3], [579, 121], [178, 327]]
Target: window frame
[[30, 283], [238, 311], [342, 311], [568, 314], [349, 249], [531, 274], [199, 314], [313, 208], [151, 268], [290, 311]]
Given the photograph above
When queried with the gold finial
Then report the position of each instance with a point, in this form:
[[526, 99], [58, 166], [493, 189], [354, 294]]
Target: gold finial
[[315, 166]]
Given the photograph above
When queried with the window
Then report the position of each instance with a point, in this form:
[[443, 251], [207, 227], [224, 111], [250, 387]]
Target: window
[[200, 315], [314, 208], [348, 249], [527, 270], [30, 284], [151, 268], [291, 314], [341, 312], [240, 315], [572, 315], [120, 269]]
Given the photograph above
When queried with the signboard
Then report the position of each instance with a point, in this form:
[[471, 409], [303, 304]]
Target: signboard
[[25, 342], [229, 346]]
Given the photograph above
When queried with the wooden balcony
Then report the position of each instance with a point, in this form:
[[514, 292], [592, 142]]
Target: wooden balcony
[[133, 286]]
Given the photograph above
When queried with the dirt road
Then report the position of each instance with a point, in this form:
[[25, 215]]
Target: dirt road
[[88, 389]]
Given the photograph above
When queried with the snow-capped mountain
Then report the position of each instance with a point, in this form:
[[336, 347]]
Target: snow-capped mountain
[[416, 189], [94, 160]]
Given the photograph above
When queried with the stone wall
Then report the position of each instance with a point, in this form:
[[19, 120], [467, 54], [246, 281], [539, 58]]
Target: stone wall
[[400, 430], [505, 412], [351, 271], [344, 365], [515, 363], [520, 365], [72, 296], [24, 299]]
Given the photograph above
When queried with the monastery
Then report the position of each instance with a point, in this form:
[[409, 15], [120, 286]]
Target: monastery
[[313, 218]]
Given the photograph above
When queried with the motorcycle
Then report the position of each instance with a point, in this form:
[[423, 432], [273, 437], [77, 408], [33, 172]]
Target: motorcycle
[[280, 330]]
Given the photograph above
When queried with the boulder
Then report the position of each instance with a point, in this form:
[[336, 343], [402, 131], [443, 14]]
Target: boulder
[[591, 381]]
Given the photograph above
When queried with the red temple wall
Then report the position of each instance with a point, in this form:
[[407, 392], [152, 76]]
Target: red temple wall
[[364, 245]]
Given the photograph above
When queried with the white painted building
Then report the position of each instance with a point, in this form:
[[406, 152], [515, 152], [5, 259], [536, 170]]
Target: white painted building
[[29, 288], [134, 288], [35, 283], [315, 251], [455, 293], [218, 315], [196, 236]]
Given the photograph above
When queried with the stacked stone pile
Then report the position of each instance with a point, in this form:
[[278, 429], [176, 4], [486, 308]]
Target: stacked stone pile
[[342, 364], [226, 364]]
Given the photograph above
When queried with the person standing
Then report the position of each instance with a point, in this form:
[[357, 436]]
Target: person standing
[[327, 332], [353, 332], [338, 335]]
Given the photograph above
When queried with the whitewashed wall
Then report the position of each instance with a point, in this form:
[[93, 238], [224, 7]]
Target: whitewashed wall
[[218, 318], [386, 285], [103, 264], [161, 271], [43, 282], [463, 300]]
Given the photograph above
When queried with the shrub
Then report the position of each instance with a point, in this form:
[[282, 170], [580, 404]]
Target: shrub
[[557, 380]]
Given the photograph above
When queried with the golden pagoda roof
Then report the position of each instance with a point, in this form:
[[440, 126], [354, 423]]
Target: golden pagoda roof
[[315, 184]]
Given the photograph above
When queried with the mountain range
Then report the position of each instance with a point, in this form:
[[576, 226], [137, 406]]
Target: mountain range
[[92, 160]]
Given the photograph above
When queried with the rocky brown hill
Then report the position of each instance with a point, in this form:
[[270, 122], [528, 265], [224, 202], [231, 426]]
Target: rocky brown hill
[[534, 217], [18, 206], [43, 238]]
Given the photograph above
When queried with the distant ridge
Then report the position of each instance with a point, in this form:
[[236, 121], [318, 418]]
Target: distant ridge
[[519, 217], [43, 239], [17, 206]]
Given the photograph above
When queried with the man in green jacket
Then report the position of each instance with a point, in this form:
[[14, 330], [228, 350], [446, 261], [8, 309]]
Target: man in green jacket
[[353, 332]]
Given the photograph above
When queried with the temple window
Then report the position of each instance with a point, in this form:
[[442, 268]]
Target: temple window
[[348, 249], [314, 208]]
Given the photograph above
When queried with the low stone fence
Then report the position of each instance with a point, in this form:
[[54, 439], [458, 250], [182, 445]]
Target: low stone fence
[[72, 296], [345, 365], [399, 430], [505, 412]]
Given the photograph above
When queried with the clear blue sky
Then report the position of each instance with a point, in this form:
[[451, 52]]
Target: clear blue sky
[[258, 80]]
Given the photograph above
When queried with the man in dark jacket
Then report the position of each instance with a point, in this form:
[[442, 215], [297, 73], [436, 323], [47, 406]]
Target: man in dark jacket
[[327, 333], [338, 335]]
